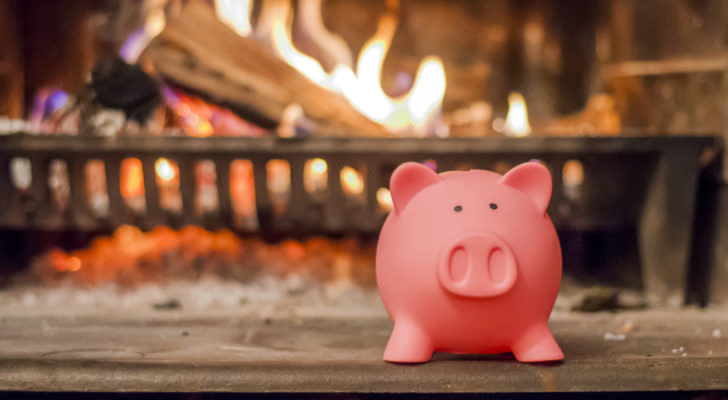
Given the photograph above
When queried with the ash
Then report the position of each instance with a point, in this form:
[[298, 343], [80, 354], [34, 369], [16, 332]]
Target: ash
[[264, 297]]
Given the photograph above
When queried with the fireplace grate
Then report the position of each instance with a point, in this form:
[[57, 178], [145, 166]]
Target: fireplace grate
[[600, 183]]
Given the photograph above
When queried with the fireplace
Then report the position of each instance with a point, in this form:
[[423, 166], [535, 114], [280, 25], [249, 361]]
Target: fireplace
[[191, 196]]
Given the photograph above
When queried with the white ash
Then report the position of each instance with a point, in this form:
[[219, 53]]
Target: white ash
[[267, 296], [614, 336]]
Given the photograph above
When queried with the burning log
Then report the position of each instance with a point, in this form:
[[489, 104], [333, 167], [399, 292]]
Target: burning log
[[200, 53]]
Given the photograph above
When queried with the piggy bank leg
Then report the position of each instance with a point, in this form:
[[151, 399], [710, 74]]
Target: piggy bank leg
[[408, 344], [537, 345]]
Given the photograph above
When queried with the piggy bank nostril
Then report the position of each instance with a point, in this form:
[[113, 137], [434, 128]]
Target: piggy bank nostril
[[458, 264], [497, 265]]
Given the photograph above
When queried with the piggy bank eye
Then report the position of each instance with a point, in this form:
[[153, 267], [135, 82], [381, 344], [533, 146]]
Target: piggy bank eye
[[493, 206], [458, 208]]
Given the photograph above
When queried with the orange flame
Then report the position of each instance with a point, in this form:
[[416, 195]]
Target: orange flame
[[166, 170], [517, 118], [132, 180], [384, 198], [409, 113], [351, 181]]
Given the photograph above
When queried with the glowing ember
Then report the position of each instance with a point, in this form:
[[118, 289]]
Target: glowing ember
[[517, 119], [352, 181], [130, 257], [166, 170], [201, 119], [384, 198]]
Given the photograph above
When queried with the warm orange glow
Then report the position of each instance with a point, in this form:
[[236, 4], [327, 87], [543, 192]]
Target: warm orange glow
[[384, 198], [166, 170], [315, 175], [242, 188], [319, 166], [311, 22], [280, 17], [132, 180], [410, 113], [74, 264], [279, 177], [235, 14], [351, 181], [517, 119]]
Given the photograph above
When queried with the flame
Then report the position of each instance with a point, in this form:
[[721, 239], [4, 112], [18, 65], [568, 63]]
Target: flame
[[315, 175], [132, 180], [517, 119], [351, 181], [235, 14], [319, 166], [409, 113], [166, 170], [384, 198], [135, 44], [280, 15]]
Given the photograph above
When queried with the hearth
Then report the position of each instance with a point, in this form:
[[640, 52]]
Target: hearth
[[191, 190]]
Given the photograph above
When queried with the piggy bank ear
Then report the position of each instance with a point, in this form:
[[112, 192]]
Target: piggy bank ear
[[408, 180], [533, 179]]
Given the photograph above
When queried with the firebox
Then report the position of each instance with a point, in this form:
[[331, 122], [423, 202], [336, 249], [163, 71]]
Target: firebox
[[191, 190]]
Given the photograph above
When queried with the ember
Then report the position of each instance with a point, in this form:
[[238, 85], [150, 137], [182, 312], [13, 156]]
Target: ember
[[130, 257]]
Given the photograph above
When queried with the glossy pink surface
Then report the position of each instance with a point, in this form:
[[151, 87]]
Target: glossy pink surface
[[469, 262]]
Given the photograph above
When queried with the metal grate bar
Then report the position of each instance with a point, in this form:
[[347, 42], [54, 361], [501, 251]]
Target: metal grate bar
[[188, 183], [154, 214], [222, 180]]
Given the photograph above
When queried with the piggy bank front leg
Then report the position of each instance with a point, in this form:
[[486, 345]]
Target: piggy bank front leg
[[408, 344], [537, 344]]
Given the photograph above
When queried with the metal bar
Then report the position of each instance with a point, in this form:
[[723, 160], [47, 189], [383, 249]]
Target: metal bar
[[117, 209], [154, 214], [41, 208], [222, 181], [188, 184], [335, 216], [78, 207], [297, 200], [6, 189], [262, 196], [332, 146]]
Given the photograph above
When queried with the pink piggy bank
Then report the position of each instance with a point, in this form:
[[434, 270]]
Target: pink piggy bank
[[469, 262]]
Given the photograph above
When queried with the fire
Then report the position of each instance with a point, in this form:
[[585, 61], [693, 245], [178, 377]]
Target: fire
[[363, 89], [166, 170], [132, 180], [280, 16], [154, 23], [315, 175], [517, 119], [351, 181], [235, 14], [384, 198]]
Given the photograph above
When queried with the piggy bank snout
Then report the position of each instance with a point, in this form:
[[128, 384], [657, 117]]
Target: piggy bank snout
[[478, 265]]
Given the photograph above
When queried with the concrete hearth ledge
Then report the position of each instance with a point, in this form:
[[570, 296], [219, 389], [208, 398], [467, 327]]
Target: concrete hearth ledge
[[176, 352]]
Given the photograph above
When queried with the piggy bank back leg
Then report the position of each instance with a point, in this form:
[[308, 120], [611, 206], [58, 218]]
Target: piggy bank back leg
[[537, 344], [408, 344]]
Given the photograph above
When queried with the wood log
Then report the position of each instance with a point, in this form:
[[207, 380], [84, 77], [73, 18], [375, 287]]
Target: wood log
[[198, 52]]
